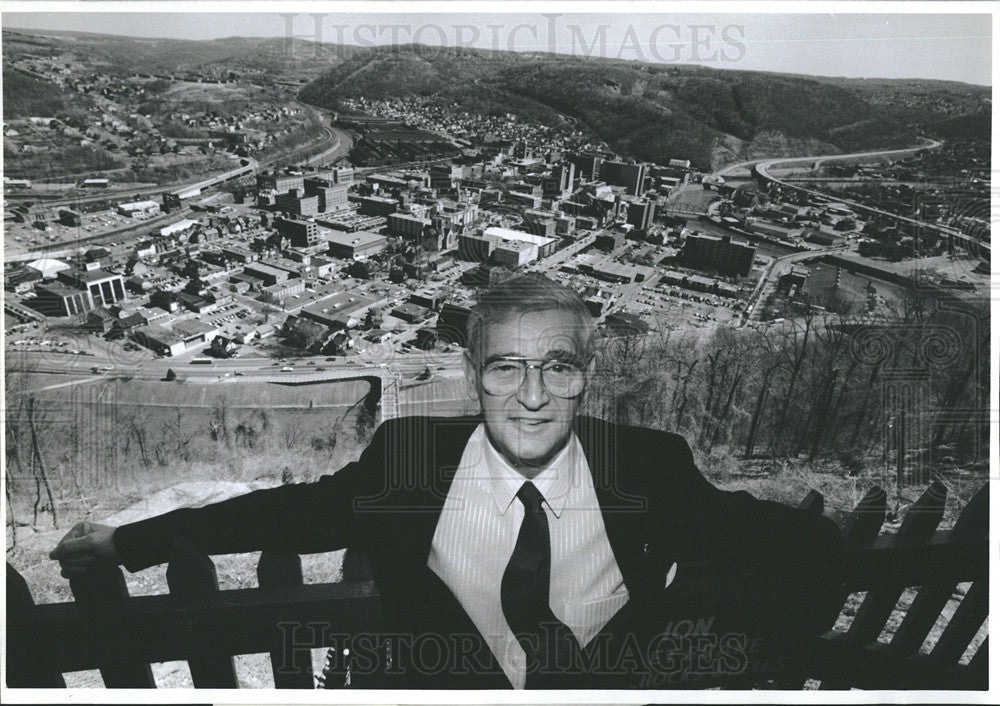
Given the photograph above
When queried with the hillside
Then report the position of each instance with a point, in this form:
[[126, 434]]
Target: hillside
[[123, 56], [657, 112], [24, 96], [648, 111]]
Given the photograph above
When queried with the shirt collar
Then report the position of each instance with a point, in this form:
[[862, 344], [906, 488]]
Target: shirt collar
[[554, 482]]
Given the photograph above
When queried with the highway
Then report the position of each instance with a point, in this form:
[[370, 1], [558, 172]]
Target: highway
[[312, 369], [819, 159], [761, 171]]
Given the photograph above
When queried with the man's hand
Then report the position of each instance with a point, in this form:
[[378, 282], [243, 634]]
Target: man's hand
[[84, 545]]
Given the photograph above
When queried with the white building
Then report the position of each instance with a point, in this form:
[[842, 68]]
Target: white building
[[139, 208], [48, 267], [178, 227]]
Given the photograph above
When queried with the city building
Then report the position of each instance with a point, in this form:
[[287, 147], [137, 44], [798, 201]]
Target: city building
[[282, 290], [609, 240], [160, 340], [342, 175], [341, 311], [71, 218], [265, 273], [624, 324], [20, 279], [546, 246], [322, 267], [138, 208], [105, 288], [47, 267], [442, 175], [514, 253], [640, 213], [587, 165], [541, 223], [332, 196], [566, 175], [410, 312], [351, 222], [178, 227], [476, 248], [280, 183], [406, 225], [526, 200], [299, 233], [354, 246], [719, 253], [239, 254], [57, 299], [376, 205], [630, 175], [194, 332], [297, 204]]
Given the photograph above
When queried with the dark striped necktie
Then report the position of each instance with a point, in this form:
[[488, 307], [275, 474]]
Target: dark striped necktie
[[551, 649]]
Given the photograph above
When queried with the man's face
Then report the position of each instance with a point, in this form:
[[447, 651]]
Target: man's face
[[530, 425]]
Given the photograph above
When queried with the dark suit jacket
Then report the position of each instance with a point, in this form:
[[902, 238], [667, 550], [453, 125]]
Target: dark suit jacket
[[748, 569]]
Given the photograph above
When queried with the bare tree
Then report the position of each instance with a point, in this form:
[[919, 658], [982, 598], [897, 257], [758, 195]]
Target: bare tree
[[796, 345], [175, 435], [218, 424], [41, 475], [769, 362]]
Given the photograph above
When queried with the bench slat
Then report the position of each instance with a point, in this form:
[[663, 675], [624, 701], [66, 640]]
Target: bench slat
[[27, 667], [865, 521], [191, 576], [276, 571], [918, 525], [927, 606], [964, 624], [102, 597]]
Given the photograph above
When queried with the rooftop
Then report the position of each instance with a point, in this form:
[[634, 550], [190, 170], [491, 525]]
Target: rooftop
[[510, 234], [361, 238]]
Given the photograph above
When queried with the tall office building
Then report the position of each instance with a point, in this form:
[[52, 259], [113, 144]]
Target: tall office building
[[640, 213], [626, 174], [587, 165], [719, 253]]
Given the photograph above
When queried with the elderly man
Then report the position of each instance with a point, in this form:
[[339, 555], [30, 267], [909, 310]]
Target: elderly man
[[540, 548]]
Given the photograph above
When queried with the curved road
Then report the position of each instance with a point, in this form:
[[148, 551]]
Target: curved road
[[761, 168], [771, 161]]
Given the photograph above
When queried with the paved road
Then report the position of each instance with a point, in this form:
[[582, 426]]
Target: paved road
[[928, 145], [780, 263], [762, 167], [407, 365]]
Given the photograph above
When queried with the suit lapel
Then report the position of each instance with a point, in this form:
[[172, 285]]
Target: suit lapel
[[448, 439], [624, 508]]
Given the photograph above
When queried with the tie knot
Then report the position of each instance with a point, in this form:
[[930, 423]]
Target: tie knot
[[530, 497]]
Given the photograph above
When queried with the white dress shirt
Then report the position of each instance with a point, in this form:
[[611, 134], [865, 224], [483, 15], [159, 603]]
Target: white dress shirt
[[478, 529]]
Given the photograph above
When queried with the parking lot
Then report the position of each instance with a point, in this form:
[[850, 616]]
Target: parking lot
[[27, 237]]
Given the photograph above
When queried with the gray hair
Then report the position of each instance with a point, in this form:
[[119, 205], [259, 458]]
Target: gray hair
[[531, 292]]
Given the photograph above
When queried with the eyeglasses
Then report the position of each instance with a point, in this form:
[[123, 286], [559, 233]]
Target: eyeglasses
[[504, 376]]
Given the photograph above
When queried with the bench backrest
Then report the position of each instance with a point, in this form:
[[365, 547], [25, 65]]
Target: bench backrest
[[106, 629]]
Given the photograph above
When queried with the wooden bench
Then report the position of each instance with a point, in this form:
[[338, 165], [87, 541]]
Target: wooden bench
[[106, 629]]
